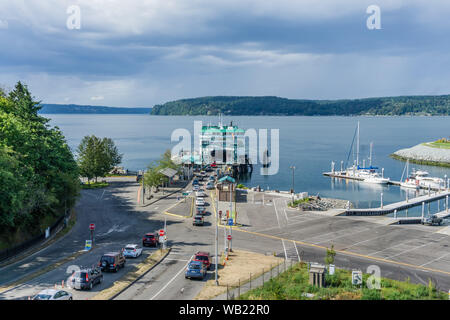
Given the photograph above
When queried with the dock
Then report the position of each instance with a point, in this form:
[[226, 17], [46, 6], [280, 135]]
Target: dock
[[398, 206], [342, 175]]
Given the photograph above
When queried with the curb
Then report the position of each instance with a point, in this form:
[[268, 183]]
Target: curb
[[140, 276], [179, 215]]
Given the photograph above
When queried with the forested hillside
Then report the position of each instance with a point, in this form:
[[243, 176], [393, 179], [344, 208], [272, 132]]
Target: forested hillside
[[407, 105], [38, 173]]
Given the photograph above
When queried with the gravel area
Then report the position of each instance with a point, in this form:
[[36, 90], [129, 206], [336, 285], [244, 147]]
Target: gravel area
[[424, 153]]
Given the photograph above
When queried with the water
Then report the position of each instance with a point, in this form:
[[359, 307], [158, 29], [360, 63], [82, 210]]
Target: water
[[308, 143]]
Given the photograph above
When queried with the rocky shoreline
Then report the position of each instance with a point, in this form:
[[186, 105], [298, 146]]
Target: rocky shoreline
[[323, 204], [423, 154]]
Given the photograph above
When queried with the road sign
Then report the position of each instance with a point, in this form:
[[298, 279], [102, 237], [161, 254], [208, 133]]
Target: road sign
[[91, 226], [185, 194], [161, 233], [356, 277], [229, 237], [230, 221], [88, 245], [331, 269]]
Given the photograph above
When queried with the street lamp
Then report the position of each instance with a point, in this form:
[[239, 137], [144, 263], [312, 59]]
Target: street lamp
[[292, 190]]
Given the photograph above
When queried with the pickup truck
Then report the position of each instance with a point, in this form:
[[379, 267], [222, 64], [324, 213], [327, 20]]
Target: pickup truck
[[432, 220]]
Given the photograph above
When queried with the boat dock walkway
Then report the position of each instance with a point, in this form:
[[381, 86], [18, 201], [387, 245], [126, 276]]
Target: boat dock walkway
[[398, 206], [340, 175]]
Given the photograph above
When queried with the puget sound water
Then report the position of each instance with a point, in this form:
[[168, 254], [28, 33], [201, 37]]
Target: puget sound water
[[308, 143]]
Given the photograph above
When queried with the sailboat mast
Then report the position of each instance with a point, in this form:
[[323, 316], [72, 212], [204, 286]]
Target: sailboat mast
[[357, 147], [370, 157]]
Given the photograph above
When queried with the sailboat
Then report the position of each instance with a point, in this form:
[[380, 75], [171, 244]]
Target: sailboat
[[410, 181], [366, 174]]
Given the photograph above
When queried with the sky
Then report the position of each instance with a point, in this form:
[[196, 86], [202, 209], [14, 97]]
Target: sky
[[138, 53]]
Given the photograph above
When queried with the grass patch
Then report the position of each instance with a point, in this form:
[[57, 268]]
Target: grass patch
[[297, 202], [94, 185], [294, 284]]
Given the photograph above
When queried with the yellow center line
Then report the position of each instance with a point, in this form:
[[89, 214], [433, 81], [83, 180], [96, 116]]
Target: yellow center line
[[340, 251]]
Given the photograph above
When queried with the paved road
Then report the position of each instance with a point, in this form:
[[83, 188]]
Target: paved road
[[417, 252]]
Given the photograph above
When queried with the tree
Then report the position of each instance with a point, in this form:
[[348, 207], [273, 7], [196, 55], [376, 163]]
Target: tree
[[329, 259], [97, 157], [38, 172]]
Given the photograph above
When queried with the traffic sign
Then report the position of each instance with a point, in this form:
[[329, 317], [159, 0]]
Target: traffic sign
[[91, 226], [230, 221], [356, 277], [229, 237], [161, 233], [88, 245]]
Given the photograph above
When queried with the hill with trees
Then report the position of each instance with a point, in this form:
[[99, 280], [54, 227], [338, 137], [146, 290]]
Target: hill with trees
[[86, 109], [269, 105]]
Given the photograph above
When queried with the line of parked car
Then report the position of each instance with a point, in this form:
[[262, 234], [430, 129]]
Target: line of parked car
[[87, 277]]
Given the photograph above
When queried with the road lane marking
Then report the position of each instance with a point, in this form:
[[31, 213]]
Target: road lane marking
[[435, 259], [170, 281], [284, 248], [296, 250]]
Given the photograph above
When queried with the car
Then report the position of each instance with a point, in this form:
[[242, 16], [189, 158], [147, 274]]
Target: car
[[150, 239], [199, 202], [195, 188], [112, 261], [432, 220], [200, 210], [195, 182], [204, 257], [211, 178], [132, 251], [210, 186], [53, 294], [200, 194], [195, 269], [198, 220], [85, 278]]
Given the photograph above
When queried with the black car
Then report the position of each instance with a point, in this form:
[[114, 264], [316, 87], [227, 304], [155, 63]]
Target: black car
[[85, 278], [112, 261], [198, 221]]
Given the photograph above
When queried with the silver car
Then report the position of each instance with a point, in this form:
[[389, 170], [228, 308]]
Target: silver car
[[53, 294], [132, 251]]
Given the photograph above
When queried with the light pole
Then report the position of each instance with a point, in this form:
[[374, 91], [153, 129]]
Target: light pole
[[217, 244], [143, 187], [292, 190]]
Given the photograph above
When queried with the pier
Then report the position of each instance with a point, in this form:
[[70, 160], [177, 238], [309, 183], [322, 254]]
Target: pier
[[342, 175], [398, 206]]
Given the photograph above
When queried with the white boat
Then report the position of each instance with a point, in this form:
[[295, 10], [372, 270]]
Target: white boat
[[420, 179], [428, 182]]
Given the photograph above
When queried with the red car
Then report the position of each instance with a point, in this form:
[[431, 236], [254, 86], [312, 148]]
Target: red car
[[150, 239], [203, 257]]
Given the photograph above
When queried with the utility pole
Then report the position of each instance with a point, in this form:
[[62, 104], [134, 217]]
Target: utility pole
[[292, 190], [143, 187], [231, 214], [217, 244]]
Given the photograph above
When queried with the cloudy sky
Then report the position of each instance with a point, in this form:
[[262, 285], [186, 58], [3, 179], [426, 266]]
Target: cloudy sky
[[138, 53]]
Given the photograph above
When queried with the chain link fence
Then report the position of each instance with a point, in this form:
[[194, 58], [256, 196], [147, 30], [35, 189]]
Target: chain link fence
[[257, 280]]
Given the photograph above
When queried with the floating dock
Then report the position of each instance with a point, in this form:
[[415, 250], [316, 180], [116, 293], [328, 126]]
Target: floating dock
[[341, 175]]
